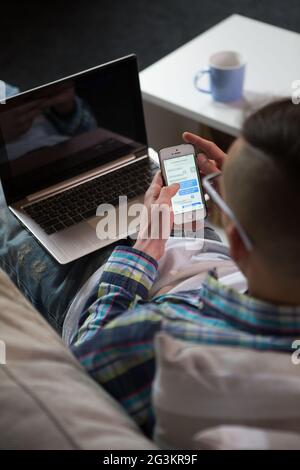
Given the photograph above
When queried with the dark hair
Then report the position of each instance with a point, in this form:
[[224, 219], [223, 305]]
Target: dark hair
[[275, 130]]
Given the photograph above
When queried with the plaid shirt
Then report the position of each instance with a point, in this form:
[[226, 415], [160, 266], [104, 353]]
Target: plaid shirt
[[114, 341]]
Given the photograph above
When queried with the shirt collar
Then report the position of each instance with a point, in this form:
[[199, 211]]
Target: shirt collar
[[247, 312]]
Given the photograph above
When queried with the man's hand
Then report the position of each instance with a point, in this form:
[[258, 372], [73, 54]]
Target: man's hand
[[16, 121], [63, 102], [210, 157], [157, 218]]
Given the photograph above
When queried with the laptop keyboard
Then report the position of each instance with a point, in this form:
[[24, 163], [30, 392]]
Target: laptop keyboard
[[80, 203]]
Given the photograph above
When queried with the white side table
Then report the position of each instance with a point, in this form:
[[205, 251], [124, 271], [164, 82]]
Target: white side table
[[172, 104]]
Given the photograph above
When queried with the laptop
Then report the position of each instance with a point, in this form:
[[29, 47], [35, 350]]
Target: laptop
[[68, 147]]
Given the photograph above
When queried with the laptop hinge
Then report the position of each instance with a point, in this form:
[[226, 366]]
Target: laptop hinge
[[141, 152], [68, 184]]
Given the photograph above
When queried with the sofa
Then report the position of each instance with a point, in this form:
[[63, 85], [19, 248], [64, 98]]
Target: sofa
[[48, 401]]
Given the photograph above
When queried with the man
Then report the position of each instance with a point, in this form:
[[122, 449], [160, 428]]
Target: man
[[260, 185]]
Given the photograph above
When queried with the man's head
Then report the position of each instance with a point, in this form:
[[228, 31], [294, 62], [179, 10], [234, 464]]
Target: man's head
[[261, 184]]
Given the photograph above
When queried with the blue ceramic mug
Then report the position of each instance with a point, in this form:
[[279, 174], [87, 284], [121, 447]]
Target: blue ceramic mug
[[227, 72]]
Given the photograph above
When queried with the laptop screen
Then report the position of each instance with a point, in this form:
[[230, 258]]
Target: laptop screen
[[66, 128]]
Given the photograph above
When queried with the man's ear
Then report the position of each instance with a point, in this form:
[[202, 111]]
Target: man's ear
[[238, 252]]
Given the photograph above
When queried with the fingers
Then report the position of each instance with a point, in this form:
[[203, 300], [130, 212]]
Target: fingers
[[157, 216], [31, 106], [158, 178], [205, 165], [167, 193], [172, 189], [156, 185], [211, 150], [27, 119], [158, 193]]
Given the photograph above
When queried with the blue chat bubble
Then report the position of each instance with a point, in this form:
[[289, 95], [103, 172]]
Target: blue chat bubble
[[183, 192], [188, 183]]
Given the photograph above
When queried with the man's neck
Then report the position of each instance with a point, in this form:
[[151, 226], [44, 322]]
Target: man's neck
[[275, 291]]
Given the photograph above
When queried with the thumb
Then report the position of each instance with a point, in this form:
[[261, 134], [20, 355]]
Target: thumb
[[173, 188], [168, 192]]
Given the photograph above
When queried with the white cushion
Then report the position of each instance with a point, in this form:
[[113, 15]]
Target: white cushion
[[47, 400], [243, 438], [199, 387]]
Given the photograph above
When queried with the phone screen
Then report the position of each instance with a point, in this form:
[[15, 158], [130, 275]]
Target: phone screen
[[183, 170]]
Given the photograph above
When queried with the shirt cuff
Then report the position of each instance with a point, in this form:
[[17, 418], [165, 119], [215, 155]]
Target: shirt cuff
[[130, 269]]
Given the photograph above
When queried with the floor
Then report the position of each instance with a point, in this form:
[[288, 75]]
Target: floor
[[43, 41]]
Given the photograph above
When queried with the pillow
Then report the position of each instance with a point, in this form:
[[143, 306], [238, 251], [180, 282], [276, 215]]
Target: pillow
[[242, 438], [198, 387], [47, 400]]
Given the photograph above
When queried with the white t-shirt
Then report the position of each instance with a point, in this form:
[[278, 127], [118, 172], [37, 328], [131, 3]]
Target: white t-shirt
[[186, 263], [183, 267]]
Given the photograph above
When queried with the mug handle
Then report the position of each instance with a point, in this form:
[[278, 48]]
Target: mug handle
[[198, 76]]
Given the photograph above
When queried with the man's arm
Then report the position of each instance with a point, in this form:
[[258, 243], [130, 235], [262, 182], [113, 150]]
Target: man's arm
[[115, 338], [127, 278], [115, 341]]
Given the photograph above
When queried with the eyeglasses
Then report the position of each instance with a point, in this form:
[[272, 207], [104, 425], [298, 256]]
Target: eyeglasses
[[219, 201]]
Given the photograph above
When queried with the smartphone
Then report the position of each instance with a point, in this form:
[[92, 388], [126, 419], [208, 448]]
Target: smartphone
[[178, 165]]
